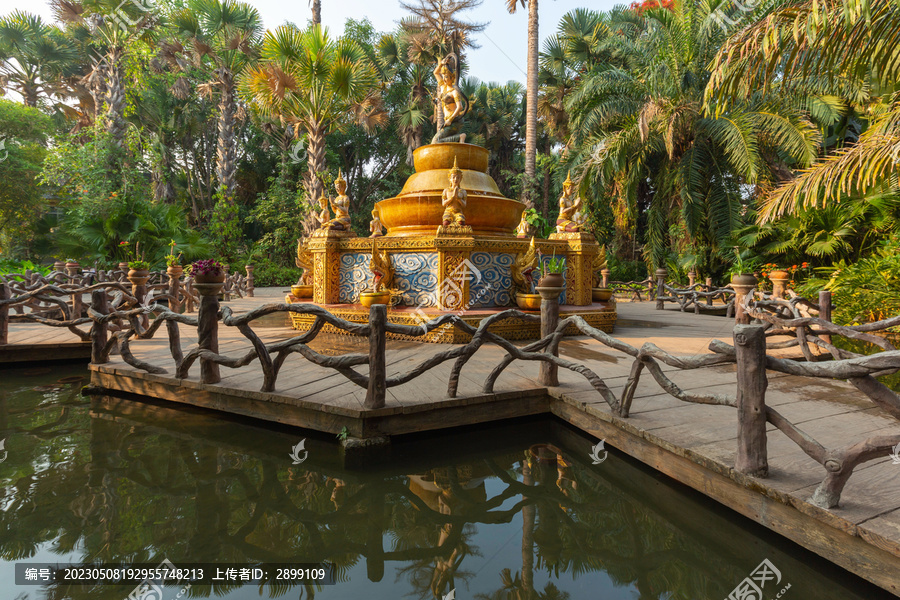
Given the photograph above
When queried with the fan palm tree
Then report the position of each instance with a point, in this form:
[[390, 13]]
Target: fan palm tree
[[223, 36], [33, 57], [848, 48], [531, 92], [642, 138], [396, 67], [495, 122], [113, 27], [311, 81]]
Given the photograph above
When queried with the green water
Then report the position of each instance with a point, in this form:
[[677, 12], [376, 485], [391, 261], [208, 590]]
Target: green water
[[491, 512]]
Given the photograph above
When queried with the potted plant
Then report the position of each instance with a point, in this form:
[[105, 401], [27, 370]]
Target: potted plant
[[173, 261], [552, 272], [71, 263], [208, 271], [741, 270], [138, 268]]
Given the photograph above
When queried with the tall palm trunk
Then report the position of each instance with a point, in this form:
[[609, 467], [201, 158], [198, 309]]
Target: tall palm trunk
[[531, 101], [115, 96], [312, 183], [317, 12], [545, 206], [528, 518], [225, 151]]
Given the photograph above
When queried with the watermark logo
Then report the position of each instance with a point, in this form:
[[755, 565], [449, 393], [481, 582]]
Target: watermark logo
[[151, 589], [726, 22], [298, 152], [751, 588], [596, 449], [452, 291], [895, 455], [122, 18], [3, 152], [3, 452], [451, 595], [296, 450]]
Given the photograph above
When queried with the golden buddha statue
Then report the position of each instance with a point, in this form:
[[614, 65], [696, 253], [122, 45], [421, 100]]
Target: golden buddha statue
[[341, 207], [453, 199], [568, 208], [375, 225], [453, 102], [324, 216]]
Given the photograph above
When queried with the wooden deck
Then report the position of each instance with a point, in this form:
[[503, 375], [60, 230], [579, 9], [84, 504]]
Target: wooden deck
[[694, 444], [29, 342]]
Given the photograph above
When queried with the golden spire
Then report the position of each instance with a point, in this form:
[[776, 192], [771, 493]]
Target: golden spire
[[455, 168], [340, 178], [568, 180]]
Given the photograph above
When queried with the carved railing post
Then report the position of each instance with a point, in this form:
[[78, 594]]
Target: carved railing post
[[549, 372], [709, 285], [208, 329], [226, 291], [250, 280], [99, 331], [175, 306], [742, 285], [825, 312], [750, 348], [692, 278], [4, 313], [661, 275], [779, 281], [139, 291], [604, 274], [377, 359]]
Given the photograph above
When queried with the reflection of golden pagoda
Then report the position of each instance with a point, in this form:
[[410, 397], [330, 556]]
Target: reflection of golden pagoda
[[454, 243]]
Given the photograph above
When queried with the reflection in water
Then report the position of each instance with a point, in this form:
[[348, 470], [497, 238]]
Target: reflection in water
[[524, 516]]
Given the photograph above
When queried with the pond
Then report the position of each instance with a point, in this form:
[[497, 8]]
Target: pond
[[512, 511]]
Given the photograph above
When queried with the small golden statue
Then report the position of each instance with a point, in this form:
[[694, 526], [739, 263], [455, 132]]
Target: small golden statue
[[523, 229], [324, 216], [568, 207], [454, 201], [597, 265], [521, 271], [453, 102], [304, 260], [375, 225], [383, 274], [341, 207]]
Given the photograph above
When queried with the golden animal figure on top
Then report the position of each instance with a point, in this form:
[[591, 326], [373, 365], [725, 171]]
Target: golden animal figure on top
[[304, 260], [597, 265], [522, 269], [568, 207], [454, 199], [454, 104]]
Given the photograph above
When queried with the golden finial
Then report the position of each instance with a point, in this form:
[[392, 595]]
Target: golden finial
[[568, 180], [455, 168], [340, 178]]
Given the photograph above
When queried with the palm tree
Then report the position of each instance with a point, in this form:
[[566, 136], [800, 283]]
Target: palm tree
[[33, 57], [114, 27], [495, 121], [316, 6], [223, 36], [308, 80], [531, 94], [642, 138], [847, 49], [396, 67]]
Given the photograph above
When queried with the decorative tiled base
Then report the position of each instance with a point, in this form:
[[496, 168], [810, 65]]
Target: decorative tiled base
[[601, 315]]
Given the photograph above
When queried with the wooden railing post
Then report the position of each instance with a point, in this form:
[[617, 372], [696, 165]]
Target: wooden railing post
[[743, 285], [4, 313], [99, 331], [661, 275], [825, 311], [709, 284], [377, 359], [604, 273], [750, 348], [250, 280], [549, 372], [208, 329], [692, 278]]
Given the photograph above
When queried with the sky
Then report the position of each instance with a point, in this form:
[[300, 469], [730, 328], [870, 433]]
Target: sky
[[503, 44]]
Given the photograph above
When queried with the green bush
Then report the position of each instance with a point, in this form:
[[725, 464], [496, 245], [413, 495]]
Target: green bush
[[269, 274]]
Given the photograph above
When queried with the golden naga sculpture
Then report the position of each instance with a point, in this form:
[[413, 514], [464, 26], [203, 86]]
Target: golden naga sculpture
[[454, 200], [453, 102], [304, 260], [375, 225], [383, 274], [568, 207], [598, 264], [521, 271]]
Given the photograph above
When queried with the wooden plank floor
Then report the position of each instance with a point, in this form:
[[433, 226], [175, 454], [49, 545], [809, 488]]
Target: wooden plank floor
[[35, 342], [693, 443]]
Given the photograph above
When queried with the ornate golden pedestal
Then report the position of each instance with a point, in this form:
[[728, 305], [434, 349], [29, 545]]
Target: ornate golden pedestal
[[462, 270]]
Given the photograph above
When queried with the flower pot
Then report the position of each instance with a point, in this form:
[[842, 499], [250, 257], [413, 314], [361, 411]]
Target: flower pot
[[72, 265], [601, 294], [175, 270], [138, 274], [552, 280], [779, 275], [744, 279], [209, 277], [306, 291], [123, 266], [367, 299], [528, 301]]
